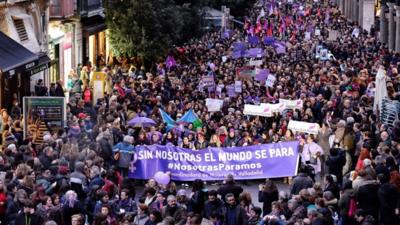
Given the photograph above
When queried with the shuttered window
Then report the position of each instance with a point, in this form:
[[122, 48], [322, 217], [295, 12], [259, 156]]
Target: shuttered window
[[20, 26]]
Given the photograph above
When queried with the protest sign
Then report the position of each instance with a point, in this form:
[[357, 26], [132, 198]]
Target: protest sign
[[43, 114], [270, 81], [250, 162], [255, 62], [307, 36], [318, 49], [253, 110], [303, 127], [261, 74], [230, 89], [264, 110], [333, 35], [275, 108], [292, 104], [238, 86], [214, 105], [207, 81], [324, 54]]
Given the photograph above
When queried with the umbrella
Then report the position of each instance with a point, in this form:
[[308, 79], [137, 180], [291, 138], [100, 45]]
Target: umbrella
[[141, 122]]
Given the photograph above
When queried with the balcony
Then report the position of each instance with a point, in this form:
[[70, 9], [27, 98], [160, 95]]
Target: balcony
[[89, 8], [60, 9]]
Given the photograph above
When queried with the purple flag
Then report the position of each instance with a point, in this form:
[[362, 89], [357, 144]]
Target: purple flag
[[262, 75], [253, 40], [269, 40], [250, 162], [170, 62], [254, 52]]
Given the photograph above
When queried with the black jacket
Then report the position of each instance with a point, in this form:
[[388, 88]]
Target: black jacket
[[302, 181], [240, 219], [210, 207], [367, 199], [230, 188], [267, 198], [31, 219], [388, 196]]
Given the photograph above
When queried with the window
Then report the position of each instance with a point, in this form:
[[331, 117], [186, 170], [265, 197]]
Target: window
[[20, 26]]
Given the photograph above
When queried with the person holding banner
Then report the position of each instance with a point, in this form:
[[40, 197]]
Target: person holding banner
[[310, 156]]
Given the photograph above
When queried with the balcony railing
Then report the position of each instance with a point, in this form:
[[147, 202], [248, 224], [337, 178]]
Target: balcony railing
[[61, 9]]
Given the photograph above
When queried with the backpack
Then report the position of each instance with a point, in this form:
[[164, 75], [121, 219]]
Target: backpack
[[352, 207]]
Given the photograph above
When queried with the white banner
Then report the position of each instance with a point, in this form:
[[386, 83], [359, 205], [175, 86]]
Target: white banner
[[238, 86], [257, 110], [275, 108], [214, 105], [303, 127], [255, 62], [292, 104]]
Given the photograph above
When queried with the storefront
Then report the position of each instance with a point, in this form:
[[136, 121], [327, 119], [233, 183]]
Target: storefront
[[18, 69], [95, 41]]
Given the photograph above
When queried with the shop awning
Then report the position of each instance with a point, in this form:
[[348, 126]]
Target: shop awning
[[43, 64], [14, 57]]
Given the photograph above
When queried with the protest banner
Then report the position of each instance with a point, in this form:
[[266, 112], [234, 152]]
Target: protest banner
[[207, 81], [292, 104], [214, 105], [255, 62], [261, 74], [275, 108], [238, 86], [265, 110], [254, 110], [270, 81], [303, 127], [43, 114], [250, 162]]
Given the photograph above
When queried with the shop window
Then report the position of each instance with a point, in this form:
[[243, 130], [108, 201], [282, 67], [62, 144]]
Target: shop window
[[20, 26]]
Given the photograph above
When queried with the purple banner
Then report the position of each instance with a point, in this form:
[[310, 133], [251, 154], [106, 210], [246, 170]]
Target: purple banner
[[250, 162]]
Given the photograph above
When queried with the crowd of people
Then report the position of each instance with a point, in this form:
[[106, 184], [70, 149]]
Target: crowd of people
[[349, 172]]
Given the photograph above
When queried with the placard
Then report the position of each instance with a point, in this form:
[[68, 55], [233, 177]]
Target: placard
[[238, 86], [255, 62], [207, 81], [270, 80], [303, 127], [214, 105]]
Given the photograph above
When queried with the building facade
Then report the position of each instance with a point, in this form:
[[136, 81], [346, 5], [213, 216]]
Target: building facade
[[389, 25], [77, 33], [23, 29]]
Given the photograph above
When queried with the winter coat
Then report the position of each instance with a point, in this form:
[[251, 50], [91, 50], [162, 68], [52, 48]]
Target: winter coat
[[140, 219], [336, 163], [302, 181], [179, 215], [33, 219], [215, 206], [126, 150], [196, 203], [344, 202], [388, 196], [240, 215], [267, 198], [367, 198], [230, 188]]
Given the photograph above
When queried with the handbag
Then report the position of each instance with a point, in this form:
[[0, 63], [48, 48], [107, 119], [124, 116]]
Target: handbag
[[313, 160]]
